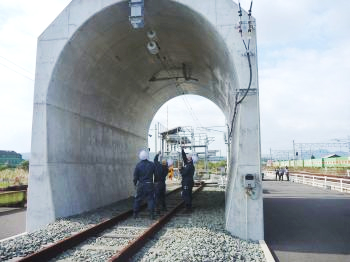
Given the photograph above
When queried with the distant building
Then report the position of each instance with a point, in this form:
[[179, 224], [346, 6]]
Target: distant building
[[331, 156], [215, 159], [10, 158]]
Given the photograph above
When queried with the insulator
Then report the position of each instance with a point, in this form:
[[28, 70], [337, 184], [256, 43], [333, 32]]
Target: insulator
[[152, 35], [153, 47]]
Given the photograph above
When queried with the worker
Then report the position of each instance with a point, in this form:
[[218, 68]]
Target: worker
[[281, 173], [187, 181], [143, 181], [277, 171], [286, 172], [159, 182], [171, 172]]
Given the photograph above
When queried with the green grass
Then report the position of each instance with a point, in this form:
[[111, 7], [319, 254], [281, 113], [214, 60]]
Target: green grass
[[13, 177], [12, 198]]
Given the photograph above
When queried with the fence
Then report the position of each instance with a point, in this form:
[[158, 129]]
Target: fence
[[337, 162], [333, 183]]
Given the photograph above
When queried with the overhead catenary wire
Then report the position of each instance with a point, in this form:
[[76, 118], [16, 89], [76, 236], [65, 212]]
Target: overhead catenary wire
[[167, 64], [13, 63], [31, 79]]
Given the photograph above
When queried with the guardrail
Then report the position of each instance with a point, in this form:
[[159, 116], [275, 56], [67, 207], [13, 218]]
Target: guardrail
[[332, 183]]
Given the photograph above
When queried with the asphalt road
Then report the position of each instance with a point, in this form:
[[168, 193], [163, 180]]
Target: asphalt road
[[12, 222], [305, 223]]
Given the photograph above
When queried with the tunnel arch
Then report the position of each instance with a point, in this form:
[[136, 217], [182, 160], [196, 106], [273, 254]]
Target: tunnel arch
[[97, 89]]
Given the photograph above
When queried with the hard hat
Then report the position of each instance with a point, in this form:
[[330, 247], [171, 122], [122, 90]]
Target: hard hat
[[143, 155], [170, 162], [194, 158]]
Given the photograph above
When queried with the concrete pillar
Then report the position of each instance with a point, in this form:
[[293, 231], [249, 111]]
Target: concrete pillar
[[244, 214]]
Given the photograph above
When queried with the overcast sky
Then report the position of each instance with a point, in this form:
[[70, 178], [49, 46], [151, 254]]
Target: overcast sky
[[304, 66]]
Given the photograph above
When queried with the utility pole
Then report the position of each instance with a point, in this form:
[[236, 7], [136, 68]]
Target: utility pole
[[228, 148], [293, 154], [155, 138], [206, 155], [271, 157], [301, 152]]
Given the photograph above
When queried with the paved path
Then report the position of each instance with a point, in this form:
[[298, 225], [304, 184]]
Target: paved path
[[12, 222], [305, 223]]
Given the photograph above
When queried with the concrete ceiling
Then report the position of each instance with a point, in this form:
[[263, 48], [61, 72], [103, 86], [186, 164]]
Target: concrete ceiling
[[104, 71]]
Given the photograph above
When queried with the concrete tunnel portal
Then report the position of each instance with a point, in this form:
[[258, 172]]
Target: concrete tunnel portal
[[98, 87]]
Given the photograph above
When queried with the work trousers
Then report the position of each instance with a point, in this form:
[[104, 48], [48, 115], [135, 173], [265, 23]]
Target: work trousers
[[145, 191], [187, 196], [160, 189]]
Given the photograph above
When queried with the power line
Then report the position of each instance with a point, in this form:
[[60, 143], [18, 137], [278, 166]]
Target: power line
[[250, 27], [167, 65], [17, 72], [16, 65]]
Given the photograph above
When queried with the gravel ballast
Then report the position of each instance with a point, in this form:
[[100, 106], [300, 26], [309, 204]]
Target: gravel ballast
[[196, 236], [200, 235]]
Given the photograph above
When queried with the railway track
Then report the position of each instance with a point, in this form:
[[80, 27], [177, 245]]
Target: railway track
[[116, 239]]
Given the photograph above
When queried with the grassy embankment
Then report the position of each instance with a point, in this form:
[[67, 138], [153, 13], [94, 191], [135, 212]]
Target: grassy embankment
[[10, 177], [13, 177]]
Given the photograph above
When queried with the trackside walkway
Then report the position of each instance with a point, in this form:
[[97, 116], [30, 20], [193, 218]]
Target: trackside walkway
[[305, 223]]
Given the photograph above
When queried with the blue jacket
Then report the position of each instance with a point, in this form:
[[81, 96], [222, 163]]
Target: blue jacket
[[187, 171], [144, 172], [161, 170]]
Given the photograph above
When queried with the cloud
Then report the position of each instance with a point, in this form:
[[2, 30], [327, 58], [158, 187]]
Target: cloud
[[21, 22], [304, 96], [303, 51]]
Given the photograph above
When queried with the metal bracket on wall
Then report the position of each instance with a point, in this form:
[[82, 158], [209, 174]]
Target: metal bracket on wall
[[252, 91], [136, 17]]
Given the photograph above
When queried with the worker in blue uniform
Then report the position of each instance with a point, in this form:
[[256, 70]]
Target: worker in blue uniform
[[159, 182], [143, 181], [187, 181]]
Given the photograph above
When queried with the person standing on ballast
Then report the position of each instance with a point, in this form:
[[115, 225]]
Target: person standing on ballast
[[143, 181], [159, 182], [187, 182]]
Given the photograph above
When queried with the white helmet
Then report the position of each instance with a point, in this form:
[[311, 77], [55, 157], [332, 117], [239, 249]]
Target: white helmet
[[143, 155], [170, 162], [194, 158]]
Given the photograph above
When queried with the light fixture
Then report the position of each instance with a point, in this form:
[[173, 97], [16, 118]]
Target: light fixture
[[152, 35], [136, 17]]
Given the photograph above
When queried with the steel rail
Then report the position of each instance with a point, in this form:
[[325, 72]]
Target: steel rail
[[131, 249], [61, 246]]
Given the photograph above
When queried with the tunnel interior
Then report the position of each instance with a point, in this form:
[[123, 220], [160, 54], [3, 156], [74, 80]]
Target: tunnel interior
[[106, 88], [98, 88]]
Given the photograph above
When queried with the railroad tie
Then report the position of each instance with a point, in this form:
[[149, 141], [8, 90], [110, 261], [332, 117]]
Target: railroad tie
[[100, 247]]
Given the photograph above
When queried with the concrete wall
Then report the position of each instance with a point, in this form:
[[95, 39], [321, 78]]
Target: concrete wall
[[94, 102]]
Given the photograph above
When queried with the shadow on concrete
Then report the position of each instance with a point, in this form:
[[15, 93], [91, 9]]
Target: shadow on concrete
[[269, 179], [7, 211], [311, 225]]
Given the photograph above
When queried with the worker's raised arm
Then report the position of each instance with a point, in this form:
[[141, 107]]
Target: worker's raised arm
[[156, 160], [184, 157]]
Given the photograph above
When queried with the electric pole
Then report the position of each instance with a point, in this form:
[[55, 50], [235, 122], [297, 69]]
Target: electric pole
[[155, 138]]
